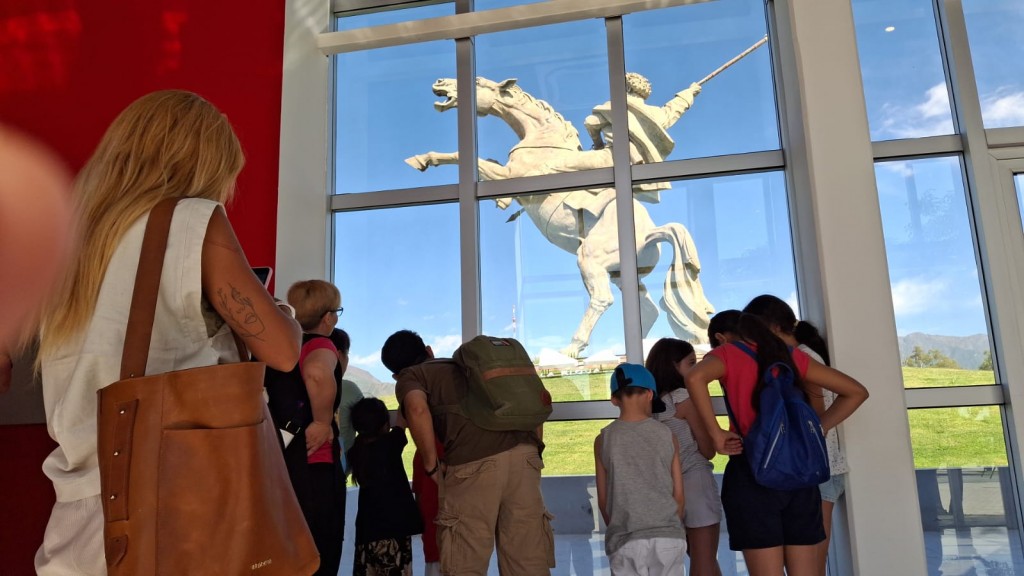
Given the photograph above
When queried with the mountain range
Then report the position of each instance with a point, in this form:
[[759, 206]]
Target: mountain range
[[968, 351], [368, 383]]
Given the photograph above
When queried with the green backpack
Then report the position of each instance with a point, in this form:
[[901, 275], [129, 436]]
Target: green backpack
[[503, 391]]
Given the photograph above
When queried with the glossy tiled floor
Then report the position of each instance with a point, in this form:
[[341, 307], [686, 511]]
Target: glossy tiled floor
[[965, 536]]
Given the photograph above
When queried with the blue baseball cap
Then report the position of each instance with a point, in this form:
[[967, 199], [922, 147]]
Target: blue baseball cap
[[627, 374]]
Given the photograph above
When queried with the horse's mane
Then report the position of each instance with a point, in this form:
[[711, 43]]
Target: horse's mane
[[520, 94]]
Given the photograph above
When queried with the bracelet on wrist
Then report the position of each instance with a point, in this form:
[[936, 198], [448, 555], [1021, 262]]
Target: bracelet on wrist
[[437, 466]]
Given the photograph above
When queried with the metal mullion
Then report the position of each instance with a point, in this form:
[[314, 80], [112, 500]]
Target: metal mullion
[[356, 7], [988, 225], [602, 409], [1005, 137], [708, 167], [629, 280], [955, 396], [484, 22], [469, 214], [393, 198], [917, 148], [600, 177], [331, 143]]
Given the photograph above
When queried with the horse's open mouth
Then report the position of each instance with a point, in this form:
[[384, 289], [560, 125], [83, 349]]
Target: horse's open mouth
[[446, 104]]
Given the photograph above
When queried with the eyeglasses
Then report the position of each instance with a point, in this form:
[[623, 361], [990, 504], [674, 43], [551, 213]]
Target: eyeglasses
[[339, 311]]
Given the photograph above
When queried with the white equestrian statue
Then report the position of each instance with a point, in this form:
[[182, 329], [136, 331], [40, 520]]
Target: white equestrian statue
[[582, 222]]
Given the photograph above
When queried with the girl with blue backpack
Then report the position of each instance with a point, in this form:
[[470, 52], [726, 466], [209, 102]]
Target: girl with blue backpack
[[775, 525], [781, 320]]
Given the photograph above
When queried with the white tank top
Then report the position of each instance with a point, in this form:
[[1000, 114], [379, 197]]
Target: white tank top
[[187, 333]]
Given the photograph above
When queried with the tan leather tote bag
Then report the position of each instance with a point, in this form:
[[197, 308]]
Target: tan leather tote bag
[[192, 475]]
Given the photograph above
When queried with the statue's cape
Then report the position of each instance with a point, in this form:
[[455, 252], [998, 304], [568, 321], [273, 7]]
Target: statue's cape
[[651, 140]]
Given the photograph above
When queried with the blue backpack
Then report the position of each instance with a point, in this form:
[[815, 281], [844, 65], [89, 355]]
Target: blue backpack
[[785, 445]]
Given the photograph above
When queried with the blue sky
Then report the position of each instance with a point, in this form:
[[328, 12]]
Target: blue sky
[[399, 268]]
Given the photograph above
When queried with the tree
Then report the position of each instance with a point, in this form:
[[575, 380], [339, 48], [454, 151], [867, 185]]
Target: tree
[[933, 358], [917, 359], [986, 361]]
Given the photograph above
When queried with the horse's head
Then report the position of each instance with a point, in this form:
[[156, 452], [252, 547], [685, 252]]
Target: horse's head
[[447, 88], [487, 93]]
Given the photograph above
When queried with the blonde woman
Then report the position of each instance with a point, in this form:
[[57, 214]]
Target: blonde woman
[[166, 144]]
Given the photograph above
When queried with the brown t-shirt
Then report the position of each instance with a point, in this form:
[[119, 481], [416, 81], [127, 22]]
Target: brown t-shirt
[[444, 384]]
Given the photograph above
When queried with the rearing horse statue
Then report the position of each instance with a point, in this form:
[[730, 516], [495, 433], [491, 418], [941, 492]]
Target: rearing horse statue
[[548, 143]]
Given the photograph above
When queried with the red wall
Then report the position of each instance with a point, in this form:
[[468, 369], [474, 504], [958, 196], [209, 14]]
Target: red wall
[[67, 67]]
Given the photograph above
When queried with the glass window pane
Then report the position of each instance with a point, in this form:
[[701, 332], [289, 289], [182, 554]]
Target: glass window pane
[[993, 31], [901, 67], [672, 48], [569, 447], [537, 86], [734, 230], [395, 16], [531, 285], [384, 114], [965, 491], [397, 268], [1018, 183], [936, 291]]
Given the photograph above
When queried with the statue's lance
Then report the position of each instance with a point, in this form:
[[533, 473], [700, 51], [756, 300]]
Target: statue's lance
[[736, 59], [701, 82]]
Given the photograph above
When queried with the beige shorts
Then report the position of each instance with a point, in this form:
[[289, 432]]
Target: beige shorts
[[703, 502]]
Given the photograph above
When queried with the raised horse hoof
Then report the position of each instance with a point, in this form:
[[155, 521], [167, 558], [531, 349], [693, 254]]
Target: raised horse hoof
[[417, 162], [573, 350]]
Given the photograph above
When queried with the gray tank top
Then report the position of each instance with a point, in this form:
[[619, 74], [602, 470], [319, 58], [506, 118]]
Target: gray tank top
[[637, 457]]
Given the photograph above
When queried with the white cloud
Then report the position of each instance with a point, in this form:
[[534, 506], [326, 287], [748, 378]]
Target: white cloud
[[930, 117], [1003, 108], [901, 169], [444, 346], [914, 296], [936, 104], [610, 352]]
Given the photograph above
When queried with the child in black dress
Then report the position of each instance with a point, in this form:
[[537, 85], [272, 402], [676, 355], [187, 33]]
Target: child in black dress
[[388, 515]]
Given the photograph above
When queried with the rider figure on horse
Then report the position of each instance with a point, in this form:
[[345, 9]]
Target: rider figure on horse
[[649, 141]]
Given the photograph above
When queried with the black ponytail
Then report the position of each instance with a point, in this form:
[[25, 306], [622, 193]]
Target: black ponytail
[[806, 334], [776, 313]]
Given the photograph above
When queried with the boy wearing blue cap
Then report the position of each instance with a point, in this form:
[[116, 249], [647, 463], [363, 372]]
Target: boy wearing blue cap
[[639, 481]]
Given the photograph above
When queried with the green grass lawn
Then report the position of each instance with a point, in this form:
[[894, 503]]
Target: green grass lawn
[[941, 437]]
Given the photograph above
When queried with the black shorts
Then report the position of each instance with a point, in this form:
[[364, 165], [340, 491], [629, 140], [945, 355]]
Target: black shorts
[[759, 517]]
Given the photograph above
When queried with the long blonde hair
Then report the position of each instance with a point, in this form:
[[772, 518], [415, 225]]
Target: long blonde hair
[[166, 144]]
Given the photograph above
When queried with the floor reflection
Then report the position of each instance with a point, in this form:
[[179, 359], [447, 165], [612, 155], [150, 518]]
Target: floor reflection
[[968, 515]]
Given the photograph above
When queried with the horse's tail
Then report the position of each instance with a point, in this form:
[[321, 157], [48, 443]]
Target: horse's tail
[[688, 311]]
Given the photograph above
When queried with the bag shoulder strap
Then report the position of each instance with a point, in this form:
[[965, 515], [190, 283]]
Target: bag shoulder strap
[[147, 286], [139, 332], [745, 348]]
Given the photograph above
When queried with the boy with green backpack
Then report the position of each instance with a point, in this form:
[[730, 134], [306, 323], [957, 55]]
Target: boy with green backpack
[[486, 410]]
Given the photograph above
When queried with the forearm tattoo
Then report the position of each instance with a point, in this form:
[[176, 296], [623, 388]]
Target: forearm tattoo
[[241, 313]]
